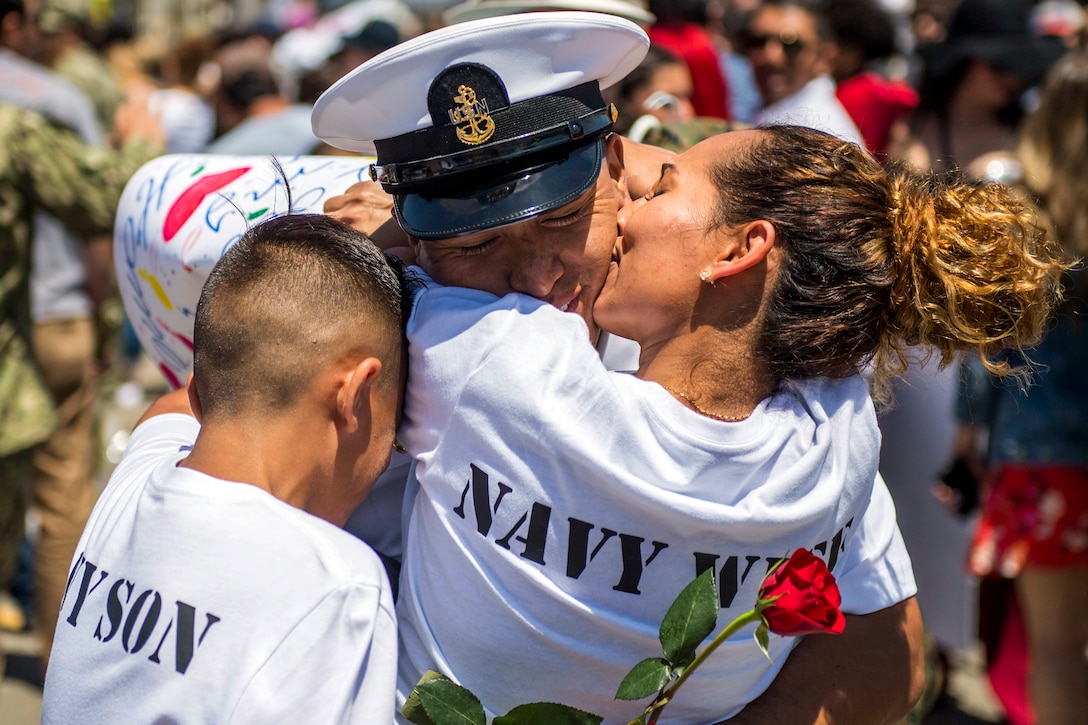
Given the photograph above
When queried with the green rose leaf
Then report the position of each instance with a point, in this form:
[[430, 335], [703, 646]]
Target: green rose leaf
[[413, 708], [444, 702], [645, 679], [762, 638], [547, 713], [690, 620]]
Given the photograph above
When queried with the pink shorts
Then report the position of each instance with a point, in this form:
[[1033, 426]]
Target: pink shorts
[[1032, 516]]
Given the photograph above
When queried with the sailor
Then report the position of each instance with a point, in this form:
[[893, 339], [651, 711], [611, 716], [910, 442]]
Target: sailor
[[494, 140]]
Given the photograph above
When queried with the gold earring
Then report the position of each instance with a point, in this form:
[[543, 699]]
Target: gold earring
[[705, 275], [399, 447]]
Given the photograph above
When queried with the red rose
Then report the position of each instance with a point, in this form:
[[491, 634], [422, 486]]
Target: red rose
[[800, 597]]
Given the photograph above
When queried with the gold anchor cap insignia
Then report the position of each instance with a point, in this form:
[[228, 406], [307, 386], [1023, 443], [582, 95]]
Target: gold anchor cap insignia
[[474, 114]]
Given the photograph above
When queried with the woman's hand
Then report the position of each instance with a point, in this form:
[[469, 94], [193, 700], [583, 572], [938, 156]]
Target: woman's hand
[[367, 207]]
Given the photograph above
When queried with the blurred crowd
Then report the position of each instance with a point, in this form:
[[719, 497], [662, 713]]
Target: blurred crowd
[[991, 482]]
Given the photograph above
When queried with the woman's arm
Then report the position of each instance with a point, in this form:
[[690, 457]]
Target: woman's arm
[[871, 674]]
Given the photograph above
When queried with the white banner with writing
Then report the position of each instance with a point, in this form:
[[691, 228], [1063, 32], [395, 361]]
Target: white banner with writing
[[180, 212]]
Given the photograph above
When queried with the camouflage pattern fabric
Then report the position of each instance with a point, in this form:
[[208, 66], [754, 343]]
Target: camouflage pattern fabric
[[681, 135], [43, 166]]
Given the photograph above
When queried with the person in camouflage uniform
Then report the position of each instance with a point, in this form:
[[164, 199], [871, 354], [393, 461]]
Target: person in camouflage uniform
[[68, 275], [679, 136], [45, 167]]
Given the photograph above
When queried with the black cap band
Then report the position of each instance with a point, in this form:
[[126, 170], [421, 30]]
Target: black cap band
[[572, 116]]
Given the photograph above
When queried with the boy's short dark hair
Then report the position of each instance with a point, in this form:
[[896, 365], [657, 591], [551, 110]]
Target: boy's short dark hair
[[295, 294]]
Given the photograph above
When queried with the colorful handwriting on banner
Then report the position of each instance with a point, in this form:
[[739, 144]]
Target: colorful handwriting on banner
[[203, 204], [189, 200]]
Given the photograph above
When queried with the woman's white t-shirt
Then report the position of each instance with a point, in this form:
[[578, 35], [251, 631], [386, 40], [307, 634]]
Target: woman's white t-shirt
[[563, 507]]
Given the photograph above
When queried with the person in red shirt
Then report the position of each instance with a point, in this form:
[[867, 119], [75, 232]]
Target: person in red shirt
[[865, 36], [679, 29]]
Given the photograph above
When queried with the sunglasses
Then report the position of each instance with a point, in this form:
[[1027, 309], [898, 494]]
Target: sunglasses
[[787, 39]]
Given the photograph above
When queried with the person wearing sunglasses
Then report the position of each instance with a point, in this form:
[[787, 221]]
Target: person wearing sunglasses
[[791, 47]]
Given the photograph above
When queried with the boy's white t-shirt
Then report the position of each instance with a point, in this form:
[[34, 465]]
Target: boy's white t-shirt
[[197, 600], [563, 507]]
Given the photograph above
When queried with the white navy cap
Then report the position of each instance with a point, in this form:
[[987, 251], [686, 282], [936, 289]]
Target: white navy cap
[[487, 122]]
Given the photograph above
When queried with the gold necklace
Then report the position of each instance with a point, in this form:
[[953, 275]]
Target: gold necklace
[[707, 413]]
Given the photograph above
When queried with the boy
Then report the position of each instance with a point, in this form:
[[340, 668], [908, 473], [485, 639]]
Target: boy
[[213, 582]]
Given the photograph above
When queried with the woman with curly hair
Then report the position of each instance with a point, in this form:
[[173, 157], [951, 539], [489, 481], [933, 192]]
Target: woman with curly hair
[[762, 272]]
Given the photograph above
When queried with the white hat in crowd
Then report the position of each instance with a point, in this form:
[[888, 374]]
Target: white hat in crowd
[[634, 10]]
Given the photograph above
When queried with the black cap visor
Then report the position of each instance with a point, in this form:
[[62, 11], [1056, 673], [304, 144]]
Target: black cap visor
[[498, 199]]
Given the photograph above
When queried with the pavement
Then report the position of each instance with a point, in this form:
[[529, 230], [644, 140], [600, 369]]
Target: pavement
[[968, 699]]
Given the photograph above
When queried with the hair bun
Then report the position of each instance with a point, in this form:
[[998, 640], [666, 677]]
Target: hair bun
[[973, 267]]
